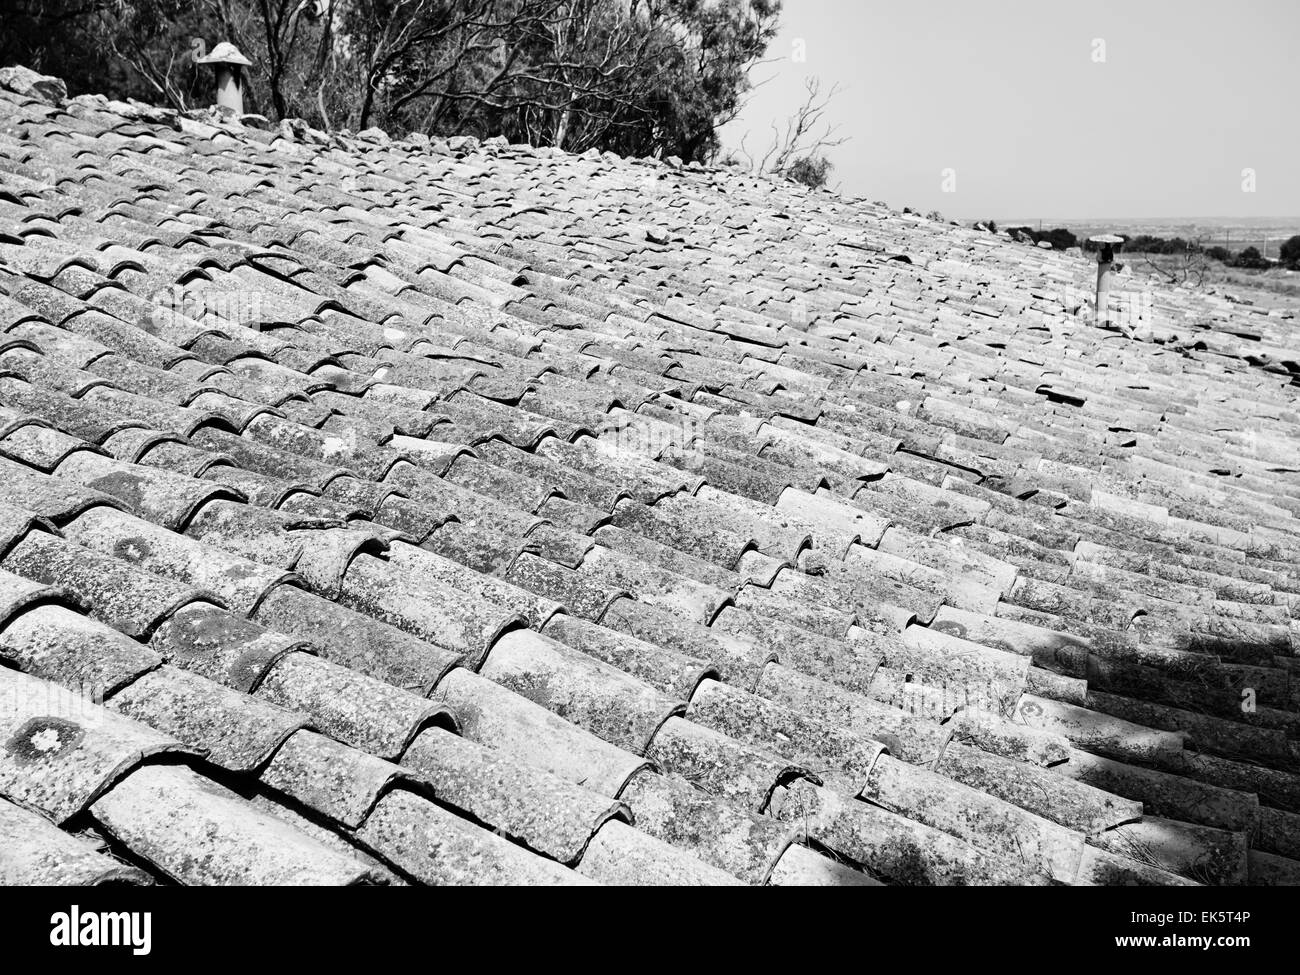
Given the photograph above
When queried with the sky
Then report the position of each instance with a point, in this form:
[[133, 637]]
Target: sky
[[1001, 109]]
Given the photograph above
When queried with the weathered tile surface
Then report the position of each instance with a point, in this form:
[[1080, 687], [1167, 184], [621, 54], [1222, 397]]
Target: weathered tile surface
[[377, 512]]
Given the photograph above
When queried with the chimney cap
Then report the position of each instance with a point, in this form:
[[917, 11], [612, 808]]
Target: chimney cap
[[225, 53], [1108, 244]]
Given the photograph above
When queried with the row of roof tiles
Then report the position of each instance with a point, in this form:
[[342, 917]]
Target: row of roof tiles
[[379, 514]]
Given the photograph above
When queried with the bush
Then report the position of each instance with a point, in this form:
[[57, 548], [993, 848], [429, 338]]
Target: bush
[[1060, 238], [1148, 244], [1250, 258], [1289, 255], [812, 171]]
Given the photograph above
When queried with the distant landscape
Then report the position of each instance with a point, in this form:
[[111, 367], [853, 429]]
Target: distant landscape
[[1235, 233], [1255, 260]]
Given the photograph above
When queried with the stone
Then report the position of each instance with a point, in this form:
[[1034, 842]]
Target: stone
[[25, 81]]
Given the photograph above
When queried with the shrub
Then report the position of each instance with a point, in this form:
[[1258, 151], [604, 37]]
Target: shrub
[[812, 171], [1289, 254], [1250, 258]]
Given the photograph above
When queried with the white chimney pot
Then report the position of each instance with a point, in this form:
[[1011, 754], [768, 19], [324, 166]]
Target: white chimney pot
[[229, 65]]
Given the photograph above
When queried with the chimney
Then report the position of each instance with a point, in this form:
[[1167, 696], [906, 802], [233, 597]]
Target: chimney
[[1108, 245], [229, 65]]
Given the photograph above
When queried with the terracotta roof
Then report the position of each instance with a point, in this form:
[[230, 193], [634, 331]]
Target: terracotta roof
[[379, 511]]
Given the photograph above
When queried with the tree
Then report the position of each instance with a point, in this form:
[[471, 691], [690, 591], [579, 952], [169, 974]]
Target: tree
[[1289, 253], [447, 66], [638, 77], [798, 151], [723, 41], [1188, 263], [812, 171], [1060, 238], [128, 48], [1250, 258]]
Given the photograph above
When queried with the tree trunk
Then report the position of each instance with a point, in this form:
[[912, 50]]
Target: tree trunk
[[562, 126]]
